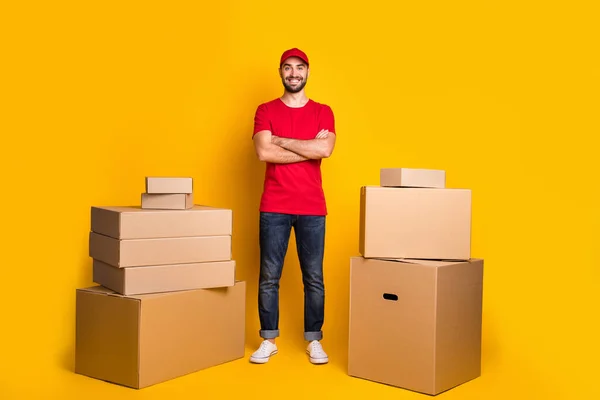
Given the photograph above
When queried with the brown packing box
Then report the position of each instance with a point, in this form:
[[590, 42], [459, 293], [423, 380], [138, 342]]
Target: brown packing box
[[168, 185], [412, 177], [127, 222], [138, 341], [415, 325], [164, 278], [178, 201], [160, 251], [415, 223]]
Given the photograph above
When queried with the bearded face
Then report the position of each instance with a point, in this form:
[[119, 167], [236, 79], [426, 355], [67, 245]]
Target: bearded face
[[294, 74]]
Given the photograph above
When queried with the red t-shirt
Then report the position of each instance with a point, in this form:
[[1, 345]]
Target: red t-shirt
[[294, 188]]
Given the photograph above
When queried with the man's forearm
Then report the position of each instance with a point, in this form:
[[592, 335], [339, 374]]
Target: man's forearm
[[312, 149], [278, 155]]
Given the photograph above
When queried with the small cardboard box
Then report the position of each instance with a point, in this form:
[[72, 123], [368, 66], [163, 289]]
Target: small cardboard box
[[139, 341], [164, 278], [412, 177], [415, 325], [177, 201], [169, 185], [415, 223]]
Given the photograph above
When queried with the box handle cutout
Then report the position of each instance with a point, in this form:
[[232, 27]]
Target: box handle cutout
[[390, 296]]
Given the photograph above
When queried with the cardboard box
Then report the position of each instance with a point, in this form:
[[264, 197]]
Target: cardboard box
[[412, 177], [160, 251], [168, 185], [139, 341], [415, 223], [125, 222], [178, 201], [164, 278], [415, 325]]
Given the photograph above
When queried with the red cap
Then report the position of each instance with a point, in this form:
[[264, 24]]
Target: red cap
[[293, 53]]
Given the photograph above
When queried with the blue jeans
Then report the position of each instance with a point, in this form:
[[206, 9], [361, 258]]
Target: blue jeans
[[275, 232]]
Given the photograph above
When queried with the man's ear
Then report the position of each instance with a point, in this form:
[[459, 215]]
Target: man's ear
[[280, 72]]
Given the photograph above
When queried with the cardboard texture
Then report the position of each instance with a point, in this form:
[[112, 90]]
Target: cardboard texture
[[159, 251], [164, 278], [169, 185], [412, 177], [415, 325], [167, 201], [139, 341], [124, 222], [415, 223]]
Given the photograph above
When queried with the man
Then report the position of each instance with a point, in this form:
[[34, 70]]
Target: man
[[292, 134]]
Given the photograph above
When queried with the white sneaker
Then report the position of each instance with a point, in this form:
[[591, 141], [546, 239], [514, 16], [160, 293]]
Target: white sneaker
[[316, 353], [264, 352]]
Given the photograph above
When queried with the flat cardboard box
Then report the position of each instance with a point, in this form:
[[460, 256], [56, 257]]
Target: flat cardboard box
[[415, 325], [139, 341], [161, 251], [415, 223], [177, 201], [412, 177], [164, 278], [169, 185], [129, 222]]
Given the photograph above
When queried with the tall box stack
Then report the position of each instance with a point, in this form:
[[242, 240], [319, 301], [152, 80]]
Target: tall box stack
[[415, 292], [167, 303]]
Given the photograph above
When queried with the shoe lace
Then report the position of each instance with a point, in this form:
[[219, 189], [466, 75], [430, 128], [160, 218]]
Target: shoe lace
[[263, 347], [316, 347]]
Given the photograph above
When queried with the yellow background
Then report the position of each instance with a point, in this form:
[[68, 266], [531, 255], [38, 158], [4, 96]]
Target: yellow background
[[503, 95]]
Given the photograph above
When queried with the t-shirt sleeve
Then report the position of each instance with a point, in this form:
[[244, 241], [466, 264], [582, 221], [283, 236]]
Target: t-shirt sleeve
[[261, 120], [327, 119]]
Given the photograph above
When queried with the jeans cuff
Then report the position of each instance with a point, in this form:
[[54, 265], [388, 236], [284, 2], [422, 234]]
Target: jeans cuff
[[269, 334], [310, 336]]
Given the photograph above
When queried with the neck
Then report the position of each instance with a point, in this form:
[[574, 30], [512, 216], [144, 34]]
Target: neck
[[294, 99]]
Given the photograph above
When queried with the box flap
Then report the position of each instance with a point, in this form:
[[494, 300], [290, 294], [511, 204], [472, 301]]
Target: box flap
[[105, 291], [96, 289], [162, 294], [138, 208], [429, 263]]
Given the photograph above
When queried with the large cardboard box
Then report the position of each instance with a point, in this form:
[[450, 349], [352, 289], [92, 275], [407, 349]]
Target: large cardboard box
[[176, 201], [159, 251], [415, 223], [138, 341], [167, 184], [415, 325], [412, 177], [128, 222], [164, 278]]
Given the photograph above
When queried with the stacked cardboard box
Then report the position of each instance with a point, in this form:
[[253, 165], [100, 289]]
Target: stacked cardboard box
[[415, 291], [168, 303], [164, 193]]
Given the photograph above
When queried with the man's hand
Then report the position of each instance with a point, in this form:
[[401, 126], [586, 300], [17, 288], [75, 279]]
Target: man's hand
[[323, 134]]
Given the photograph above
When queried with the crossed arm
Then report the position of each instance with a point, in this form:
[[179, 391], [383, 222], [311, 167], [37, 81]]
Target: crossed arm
[[274, 149]]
